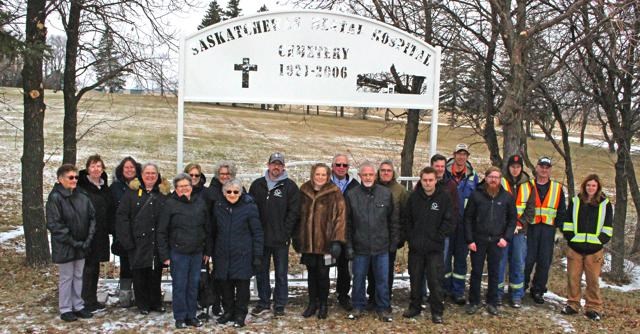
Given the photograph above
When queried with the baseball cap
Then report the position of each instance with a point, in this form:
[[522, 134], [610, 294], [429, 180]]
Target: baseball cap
[[515, 159], [546, 161], [461, 147], [277, 156]]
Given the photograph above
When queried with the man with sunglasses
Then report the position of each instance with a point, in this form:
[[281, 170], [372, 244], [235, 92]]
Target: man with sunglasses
[[341, 178], [278, 201]]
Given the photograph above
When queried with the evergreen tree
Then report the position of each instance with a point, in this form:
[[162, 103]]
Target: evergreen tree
[[233, 9], [263, 8], [212, 16], [107, 66], [9, 43]]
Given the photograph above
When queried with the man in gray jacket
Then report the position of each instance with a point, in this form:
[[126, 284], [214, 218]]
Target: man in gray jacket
[[373, 231]]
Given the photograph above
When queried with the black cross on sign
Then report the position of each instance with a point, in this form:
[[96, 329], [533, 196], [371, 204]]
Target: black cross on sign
[[245, 67]]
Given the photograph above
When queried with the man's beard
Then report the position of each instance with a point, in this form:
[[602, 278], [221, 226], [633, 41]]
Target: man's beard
[[493, 190]]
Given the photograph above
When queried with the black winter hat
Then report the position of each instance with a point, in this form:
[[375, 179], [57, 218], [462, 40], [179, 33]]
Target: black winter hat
[[515, 159]]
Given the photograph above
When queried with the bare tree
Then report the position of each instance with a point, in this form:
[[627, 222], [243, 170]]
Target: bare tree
[[136, 26], [610, 58], [37, 243]]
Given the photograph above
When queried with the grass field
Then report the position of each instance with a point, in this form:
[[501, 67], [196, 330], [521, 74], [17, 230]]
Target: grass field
[[144, 127]]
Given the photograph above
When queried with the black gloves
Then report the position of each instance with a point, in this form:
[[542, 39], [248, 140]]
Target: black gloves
[[335, 249], [257, 264], [349, 253], [86, 245]]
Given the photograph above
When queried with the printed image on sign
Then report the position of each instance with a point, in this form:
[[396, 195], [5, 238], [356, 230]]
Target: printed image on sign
[[309, 57]]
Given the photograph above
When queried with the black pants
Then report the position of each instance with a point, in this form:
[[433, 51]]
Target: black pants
[[125, 267], [343, 283], [371, 280], [540, 243], [317, 279], [432, 266], [492, 253], [146, 284], [235, 297], [90, 275]]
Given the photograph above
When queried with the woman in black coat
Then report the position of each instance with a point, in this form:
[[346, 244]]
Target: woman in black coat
[[238, 248], [127, 171], [93, 180], [184, 242], [136, 226], [71, 221]]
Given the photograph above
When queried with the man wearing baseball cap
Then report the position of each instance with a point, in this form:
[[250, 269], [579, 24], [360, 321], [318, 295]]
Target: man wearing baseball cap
[[462, 173], [518, 183], [278, 201], [550, 206]]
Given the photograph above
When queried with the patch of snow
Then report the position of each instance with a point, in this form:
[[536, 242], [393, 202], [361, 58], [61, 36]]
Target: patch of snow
[[630, 267], [9, 235], [566, 326]]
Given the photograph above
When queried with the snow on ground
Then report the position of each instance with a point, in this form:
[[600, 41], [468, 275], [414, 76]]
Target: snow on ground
[[12, 234], [630, 267]]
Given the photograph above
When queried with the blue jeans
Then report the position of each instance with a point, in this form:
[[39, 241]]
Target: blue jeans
[[492, 253], [455, 275], [380, 265], [281, 267], [514, 254], [185, 278]]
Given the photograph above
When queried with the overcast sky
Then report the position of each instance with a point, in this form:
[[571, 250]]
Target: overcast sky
[[188, 22]]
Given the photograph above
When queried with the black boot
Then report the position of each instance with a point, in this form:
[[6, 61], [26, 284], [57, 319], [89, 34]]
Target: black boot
[[226, 317], [311, 309], [323, 310]]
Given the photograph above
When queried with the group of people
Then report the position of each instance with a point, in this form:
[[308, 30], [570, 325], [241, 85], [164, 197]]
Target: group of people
[[508, 218]]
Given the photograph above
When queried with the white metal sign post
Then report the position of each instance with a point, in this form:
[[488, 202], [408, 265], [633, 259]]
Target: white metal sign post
[[309, 58]]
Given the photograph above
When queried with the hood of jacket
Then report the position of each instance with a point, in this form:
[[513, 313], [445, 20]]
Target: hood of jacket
[[118, 172], [449, 167], [162, 185], [524, 178]]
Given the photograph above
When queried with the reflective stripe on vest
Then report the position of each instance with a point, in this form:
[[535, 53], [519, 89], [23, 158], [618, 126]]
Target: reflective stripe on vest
[[524, 191], [547, 210], [591, 238]]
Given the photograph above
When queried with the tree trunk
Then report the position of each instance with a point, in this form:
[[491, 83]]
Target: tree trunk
[[619, 217], [318, 110], [70, 125], [635, 195], [33, 219], [409, 144], [583, 125], [341, 111]]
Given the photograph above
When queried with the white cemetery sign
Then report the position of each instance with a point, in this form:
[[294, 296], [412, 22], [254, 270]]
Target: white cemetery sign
[[308, 58]]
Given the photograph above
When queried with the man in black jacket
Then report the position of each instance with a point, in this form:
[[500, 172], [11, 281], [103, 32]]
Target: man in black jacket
[[489, 222], [373, 231], [427, 222], [278, 201], [341, 178]]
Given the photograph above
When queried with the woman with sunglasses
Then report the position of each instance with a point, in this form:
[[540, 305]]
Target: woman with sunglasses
[[72, 223], [238, 248], [198, 179], [184, 243], [320, 236]]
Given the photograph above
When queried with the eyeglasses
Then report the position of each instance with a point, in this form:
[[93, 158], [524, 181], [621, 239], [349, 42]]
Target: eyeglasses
[[342, 165], [224, 174], [72, 177], [194, 175], [235, 192]]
